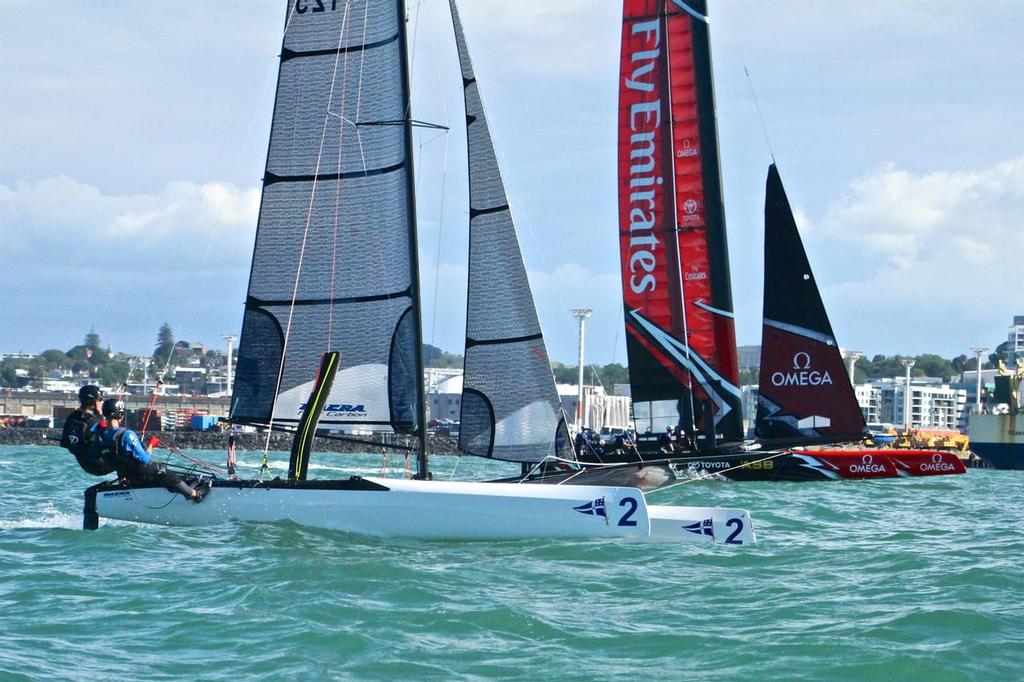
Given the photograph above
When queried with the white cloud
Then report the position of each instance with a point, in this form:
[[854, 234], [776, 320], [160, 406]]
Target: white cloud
[[936, 252], [52, 208], [74, 256]]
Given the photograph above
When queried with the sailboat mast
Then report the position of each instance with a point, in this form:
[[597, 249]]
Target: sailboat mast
[[421, 411], [678, 301]]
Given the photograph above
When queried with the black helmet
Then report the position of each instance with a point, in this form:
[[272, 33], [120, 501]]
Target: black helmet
[[113, 408], [87, 395]]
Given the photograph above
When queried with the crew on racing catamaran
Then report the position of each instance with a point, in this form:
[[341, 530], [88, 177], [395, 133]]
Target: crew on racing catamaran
[[134, 462], [80, 435]]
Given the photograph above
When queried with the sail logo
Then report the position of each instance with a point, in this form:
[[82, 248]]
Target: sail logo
[[644, 180], [695, 274], [341, 409], [303, 6], [595, 508], [802, 374], [867, 466], [687, 150], [692, 213], [937, 464]]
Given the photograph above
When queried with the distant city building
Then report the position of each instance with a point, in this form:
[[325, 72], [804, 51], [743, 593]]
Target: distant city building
[[748, 401], [933, 404], [970, 384], [60, 385], [600, 409], [437, 379], [190, 380], [443, 387], [1015, 342], [749, 356], [870, 400], [18, 356]]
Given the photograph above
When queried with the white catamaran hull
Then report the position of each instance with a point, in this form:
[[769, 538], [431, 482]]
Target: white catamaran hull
[[434, 510]]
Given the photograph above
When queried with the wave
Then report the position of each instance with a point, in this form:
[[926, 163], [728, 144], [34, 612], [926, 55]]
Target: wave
[[52, 520]]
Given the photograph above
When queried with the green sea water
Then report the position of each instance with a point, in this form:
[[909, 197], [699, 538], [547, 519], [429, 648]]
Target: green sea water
[[905, 579]]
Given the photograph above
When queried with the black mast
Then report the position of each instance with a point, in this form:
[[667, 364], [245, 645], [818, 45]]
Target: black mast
[[414, 285]]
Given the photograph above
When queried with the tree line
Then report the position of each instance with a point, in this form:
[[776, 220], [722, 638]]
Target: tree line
[[103, 365], [111, 369]]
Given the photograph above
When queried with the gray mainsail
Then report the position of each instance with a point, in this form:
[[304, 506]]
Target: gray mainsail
[[510, 408], [334, 265]]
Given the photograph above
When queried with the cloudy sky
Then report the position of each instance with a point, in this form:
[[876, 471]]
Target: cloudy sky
[[133, 137]]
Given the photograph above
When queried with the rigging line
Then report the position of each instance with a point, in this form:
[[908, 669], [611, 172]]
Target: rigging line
[[302, 247], [359, 85], [757, 106], [675, 222], [415, 32], [440, 233], [444, 178], [337, 188]]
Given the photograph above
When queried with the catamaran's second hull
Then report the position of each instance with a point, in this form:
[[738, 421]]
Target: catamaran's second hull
[[797, 465], [429, 510]]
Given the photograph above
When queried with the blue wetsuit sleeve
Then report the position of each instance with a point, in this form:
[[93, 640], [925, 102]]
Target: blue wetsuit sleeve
[[132, 446]]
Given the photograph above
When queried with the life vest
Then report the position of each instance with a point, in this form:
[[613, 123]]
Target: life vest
[[77, 438]]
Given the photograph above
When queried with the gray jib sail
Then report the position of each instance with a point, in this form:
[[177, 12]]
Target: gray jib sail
[[336, 228], [510, 408]]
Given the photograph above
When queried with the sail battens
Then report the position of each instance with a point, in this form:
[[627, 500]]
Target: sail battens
[[333, 264], [254, 302], [516, 339], [510, 408], [474, 212], [288, 54], [272, 179]]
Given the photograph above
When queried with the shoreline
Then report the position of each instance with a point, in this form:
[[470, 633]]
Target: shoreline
[[215, 440]]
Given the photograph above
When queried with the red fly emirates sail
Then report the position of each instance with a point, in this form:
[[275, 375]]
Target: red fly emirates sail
[[675, 274]]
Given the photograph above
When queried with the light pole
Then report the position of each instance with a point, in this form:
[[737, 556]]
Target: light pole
[[580, 314], [852, 356], [978, 352], [230, 338], [906, 397]]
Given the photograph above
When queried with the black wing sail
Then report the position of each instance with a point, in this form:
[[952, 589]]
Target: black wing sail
[[804, 391], [510, 408], [334, 265]]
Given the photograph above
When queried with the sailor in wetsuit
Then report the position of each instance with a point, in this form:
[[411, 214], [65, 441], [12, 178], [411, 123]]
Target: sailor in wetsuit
[[133, 459], [80, 435]]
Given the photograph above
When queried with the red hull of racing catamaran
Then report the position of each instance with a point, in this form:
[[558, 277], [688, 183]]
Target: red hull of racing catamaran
[[863, 463], [926, 462]]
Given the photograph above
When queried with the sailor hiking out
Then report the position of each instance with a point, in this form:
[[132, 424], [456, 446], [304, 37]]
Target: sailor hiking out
[[133, 460], [81, 433]]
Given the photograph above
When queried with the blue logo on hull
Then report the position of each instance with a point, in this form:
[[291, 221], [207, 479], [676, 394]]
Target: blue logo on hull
[[595, 508], [704, 527]]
